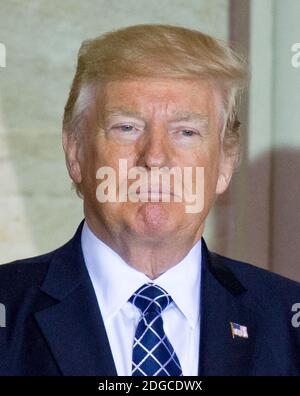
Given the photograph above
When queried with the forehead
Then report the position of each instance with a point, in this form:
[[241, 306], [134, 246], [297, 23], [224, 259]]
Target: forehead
[[160, 96]]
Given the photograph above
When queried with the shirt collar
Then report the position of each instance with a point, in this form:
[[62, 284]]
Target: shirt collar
[[115, 281]]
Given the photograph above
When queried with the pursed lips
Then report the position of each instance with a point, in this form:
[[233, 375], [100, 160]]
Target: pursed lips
[[154, 190]]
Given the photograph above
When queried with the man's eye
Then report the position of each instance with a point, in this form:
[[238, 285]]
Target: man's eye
[[189, 132], [125, 128]]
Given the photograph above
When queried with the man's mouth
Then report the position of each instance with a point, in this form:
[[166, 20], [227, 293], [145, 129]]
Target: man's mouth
[[153, 191]]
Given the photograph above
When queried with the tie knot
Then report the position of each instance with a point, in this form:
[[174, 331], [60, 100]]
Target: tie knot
[[150, 298]]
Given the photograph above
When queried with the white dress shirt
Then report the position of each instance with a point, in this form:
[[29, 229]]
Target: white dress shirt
[[115, 281]]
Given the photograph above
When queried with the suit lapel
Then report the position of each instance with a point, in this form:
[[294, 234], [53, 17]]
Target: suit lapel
[[73, 327], [224, 299]]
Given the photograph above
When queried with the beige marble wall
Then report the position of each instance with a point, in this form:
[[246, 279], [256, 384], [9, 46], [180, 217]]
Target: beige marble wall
[[38, 210]]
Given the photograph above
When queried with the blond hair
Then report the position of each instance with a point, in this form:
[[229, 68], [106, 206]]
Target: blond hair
[[158, 51]]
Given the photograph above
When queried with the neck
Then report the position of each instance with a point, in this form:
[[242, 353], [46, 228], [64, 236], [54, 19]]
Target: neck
[[150, 256]]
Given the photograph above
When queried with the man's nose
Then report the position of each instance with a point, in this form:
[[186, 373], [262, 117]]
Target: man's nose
[[155, 149]]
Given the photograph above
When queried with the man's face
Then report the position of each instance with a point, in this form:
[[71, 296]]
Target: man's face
[[154, 123]]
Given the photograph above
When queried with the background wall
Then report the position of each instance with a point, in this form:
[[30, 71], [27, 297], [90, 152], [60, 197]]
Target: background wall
[[256, 220], [262, 208]]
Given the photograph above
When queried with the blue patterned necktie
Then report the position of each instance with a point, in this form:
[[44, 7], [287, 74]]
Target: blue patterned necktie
[[153, 353]]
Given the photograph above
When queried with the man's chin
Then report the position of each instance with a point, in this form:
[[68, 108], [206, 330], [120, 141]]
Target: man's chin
[[155, 219]]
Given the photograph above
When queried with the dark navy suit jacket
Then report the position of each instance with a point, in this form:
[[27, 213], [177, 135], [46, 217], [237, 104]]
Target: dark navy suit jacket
[[54, 325]]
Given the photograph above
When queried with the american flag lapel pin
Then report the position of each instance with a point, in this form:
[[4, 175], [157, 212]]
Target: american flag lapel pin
[[238, 331]]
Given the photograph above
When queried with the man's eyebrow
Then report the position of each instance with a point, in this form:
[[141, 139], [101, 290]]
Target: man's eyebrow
[[188, 116], [175, 116], [123, 112]]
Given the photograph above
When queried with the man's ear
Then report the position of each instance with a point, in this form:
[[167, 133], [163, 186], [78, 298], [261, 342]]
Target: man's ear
[[71, 149], [226, 168]]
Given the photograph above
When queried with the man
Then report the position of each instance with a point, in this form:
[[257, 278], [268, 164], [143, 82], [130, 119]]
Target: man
[[136, 291]]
